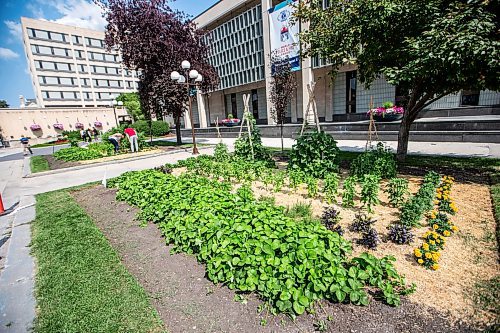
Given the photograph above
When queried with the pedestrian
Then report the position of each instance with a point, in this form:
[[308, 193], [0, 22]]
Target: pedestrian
[[96, 133], [89, 134], [83, 135], [132, 138], [26, 145], [115, 141]]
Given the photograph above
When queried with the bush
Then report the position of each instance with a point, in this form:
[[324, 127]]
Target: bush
[[221, 153], [331, 187], [316, 154], [397, 189], [369, 191], [330, 217], [72, 135], [412, 211], [92, 152], [243, 150], [158, 127], [379, 161], [400, 234], [369, 239], [362, 223], [349, 191]]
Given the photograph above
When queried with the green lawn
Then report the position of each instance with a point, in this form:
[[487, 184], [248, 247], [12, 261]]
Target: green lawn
[[81, 285], [39, 164]]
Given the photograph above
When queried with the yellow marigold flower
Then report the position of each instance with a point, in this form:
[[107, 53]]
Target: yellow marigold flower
[[454, 228], [446, 233], [435, 266], [435, 257], [435, 226], [438, 196], [438, 241], [428, 255], [420, 261], [432, 242], [425, 246]]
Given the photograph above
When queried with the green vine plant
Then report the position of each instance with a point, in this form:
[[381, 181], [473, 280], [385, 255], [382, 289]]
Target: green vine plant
[[278, 180], [331, 187], [349, 191], [397, 190], [295, 178], [370, 187], [312, 187]]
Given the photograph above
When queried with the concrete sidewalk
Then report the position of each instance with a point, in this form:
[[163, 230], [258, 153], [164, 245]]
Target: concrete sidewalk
[[453, 149]]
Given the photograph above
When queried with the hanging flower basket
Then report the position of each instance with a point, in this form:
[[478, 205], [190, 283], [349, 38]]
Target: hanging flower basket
[[35, 127], [97, 124], [79, 126], [229, 122], [58, 127]]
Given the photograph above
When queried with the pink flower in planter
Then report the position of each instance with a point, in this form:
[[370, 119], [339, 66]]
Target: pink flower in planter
[[97, 124], [79, 125], [230, 121], [35, 127], [58, 127]]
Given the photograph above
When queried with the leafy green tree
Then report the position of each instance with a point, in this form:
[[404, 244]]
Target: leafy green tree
[[3, 104], [428, 48], [132, 103]]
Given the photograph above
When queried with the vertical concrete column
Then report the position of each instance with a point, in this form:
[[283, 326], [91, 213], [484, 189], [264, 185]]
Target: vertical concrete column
[[266, 5], [307, 77], [202, 112]]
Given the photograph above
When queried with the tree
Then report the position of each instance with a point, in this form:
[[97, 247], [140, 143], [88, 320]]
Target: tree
[[132, 104], [3, 104], [154, 39], [428, 48], [282, 89]]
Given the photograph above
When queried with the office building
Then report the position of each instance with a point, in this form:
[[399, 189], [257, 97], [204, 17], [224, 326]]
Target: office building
[[240, 34], [70, 66]]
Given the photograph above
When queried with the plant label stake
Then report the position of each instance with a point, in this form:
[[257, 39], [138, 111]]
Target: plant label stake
[[246, 119], [372, 128], [311, 106], [218, 131]]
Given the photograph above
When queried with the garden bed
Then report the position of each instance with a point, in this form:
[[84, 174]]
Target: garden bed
[[187, 301]]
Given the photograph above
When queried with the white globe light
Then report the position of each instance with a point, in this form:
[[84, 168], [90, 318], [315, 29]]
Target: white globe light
[[120, 103], [182, 79], [114, 102], [193, 74], [199, 78], [185, 64], [175, 76]]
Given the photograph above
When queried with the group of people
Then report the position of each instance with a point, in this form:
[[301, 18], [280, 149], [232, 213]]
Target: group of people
[[131, 134], [87, 134]]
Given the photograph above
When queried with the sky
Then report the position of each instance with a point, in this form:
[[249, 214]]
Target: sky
[[15, 79]]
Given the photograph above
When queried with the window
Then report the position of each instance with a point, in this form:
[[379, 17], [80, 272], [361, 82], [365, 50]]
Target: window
[[350, 89], [85, 82], [94, 42], [82, 69], [99, 69], [112, 70], [70, 95], [31, 32], [76, 40], [61, 52], [469, 98], [57, 37], [234, 109], [66, 81], [79, 54], [63, 66], [255, 104], [87, 95], [42, 34], [110, 57]]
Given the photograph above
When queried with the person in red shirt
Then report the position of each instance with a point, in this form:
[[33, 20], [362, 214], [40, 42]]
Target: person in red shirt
[[132, 138]]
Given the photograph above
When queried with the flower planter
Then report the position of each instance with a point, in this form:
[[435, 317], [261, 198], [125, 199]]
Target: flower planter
[[97, 124], [79, 126], [35, 127], [387, 117], [231, 122], [59, 127]]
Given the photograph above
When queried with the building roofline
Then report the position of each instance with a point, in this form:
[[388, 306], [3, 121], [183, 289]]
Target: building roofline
[[24, 18], [206, 10]]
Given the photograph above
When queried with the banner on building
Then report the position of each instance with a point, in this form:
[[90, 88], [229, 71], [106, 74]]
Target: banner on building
[[284, 34]]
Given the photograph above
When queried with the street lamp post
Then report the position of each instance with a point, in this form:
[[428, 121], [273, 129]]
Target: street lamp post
[[185, 79], [114, 103]]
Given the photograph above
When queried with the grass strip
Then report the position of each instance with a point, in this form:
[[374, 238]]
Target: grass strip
[[81, 285], [39, 164]]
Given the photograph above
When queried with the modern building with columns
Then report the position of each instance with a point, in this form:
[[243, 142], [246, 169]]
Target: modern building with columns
[[238, 32]]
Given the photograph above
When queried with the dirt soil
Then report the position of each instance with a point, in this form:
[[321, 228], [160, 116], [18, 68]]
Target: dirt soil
[[187, 302]]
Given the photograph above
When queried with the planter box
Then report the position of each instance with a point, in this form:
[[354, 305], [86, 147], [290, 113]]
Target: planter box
[[387, 117]]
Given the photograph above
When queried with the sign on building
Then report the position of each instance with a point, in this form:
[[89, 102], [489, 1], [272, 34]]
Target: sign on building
[[284, 34]]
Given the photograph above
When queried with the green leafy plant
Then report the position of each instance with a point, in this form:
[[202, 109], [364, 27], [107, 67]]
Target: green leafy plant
[[349, 191], [412, 211], [331, 187], [91, 152], [251, 246], [221, 153], [379, 161], [316, 154], [295, 178], [278, 180], [312, 187], [397, 190], [369, 191], [243, 150], [299, 210]]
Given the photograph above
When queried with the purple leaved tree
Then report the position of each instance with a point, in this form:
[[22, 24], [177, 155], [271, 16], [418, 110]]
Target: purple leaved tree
[[154, 39]]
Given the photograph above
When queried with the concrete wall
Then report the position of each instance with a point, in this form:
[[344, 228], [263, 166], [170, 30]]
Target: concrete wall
[[16, 122]]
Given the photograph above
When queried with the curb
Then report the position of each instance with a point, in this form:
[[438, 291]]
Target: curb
[[27, 171], [10, 209]]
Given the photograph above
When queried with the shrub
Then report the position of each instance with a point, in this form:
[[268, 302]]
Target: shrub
[[72, 135], [278, 180], [379, 161], [312, 187], [369, 191], [221, 153], [295, 178], [316, 154], [362, 223], [93, 151], [243, 150], [299, 210], [397, 189], [331, 187], [349, 191], [369, 239], [252, 247], [400, 234], [164, 169], [158, 127], [330, 217]]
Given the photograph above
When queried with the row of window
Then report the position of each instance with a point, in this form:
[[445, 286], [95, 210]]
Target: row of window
[[64, 38], [234, 25], [54, 66], [52, 51], [80, 54], [73, 95], [84, 82]]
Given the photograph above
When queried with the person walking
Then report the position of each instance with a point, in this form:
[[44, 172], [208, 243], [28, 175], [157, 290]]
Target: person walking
[[115, 141], [26, 145], [132, 138], [95, 133], [89, 134]]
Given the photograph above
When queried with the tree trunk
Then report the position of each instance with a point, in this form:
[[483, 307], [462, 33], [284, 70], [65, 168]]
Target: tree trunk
[[178, 130], [281, 134], [403, 137]]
